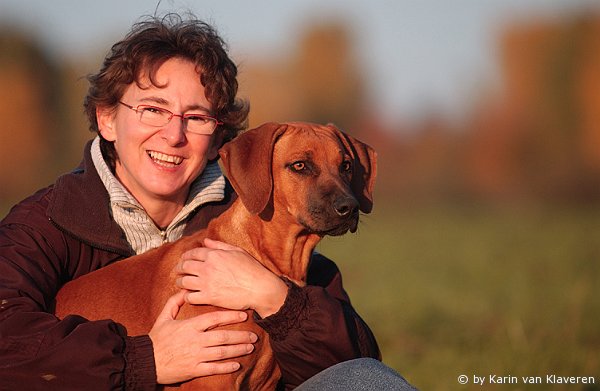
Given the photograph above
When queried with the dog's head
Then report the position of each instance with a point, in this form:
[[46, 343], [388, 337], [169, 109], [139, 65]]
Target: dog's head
[[321, 176]]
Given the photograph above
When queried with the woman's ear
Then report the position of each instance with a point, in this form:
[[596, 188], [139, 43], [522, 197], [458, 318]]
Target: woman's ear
[[105, 117]]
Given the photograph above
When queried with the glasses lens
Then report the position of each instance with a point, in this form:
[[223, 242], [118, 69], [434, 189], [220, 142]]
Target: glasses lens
[[154, 116], [200, 124]]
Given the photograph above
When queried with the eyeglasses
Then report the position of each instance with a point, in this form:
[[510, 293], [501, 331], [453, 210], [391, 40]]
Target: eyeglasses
[[157, 116]]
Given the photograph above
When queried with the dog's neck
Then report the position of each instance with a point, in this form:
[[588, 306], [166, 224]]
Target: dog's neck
[[280, 244]]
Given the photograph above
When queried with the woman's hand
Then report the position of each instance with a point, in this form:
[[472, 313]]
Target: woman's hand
[[227, 276], [185, 349]]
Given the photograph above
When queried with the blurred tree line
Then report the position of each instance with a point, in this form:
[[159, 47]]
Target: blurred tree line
[[535, 140]]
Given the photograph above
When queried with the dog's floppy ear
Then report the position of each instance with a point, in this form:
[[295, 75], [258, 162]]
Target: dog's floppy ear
[[364, 169], [247, 162]]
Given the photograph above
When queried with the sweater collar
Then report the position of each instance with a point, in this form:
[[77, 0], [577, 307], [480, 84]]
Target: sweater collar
[[208, 187], [130, 215]]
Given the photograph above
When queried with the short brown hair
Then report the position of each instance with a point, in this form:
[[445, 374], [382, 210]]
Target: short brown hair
[[146, 47]]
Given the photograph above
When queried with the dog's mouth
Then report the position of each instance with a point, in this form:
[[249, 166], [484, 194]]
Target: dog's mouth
[[335, 226]]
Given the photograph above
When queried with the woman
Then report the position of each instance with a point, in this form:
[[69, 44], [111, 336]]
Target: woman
[[162, 104]]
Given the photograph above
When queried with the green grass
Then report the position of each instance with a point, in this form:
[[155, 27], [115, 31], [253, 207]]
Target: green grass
[[478, 292]]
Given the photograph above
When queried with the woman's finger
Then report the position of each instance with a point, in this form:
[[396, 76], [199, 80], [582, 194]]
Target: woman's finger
[[171, 307], [218, 337], [226, 352], [189, 282], [196, 254], [215, 368]]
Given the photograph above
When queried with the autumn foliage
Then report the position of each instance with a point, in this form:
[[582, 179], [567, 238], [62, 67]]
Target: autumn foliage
[[536, 138]]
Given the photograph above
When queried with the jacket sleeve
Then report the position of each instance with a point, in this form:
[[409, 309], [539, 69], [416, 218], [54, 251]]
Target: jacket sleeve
[[317, 326], [39, 351]]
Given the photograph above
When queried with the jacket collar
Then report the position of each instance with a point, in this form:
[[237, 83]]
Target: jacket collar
[[80, 208]]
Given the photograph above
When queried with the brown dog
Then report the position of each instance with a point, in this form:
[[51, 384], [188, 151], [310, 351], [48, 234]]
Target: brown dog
[[296, 183]]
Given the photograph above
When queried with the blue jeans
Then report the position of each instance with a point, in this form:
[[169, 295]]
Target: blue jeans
[[361, 374]]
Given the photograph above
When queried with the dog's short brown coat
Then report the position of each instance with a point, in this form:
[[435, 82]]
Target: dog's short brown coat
[[296, 182]]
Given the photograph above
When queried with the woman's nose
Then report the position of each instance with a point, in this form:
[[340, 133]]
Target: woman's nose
[[174, 131]]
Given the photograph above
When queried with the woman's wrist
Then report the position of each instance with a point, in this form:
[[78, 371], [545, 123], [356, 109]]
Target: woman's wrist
[[271, 297]]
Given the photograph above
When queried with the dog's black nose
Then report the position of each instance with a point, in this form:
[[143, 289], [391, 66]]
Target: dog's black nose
[[345, 206]]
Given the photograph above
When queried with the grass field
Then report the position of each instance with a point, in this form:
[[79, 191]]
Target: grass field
[[452, 292]]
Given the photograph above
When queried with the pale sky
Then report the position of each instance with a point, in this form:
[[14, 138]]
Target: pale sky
[[417, 55]]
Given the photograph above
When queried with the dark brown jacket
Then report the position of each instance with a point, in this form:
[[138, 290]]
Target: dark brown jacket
[[65, 231]]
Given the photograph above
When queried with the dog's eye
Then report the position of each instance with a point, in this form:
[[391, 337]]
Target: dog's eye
[[346, 166], [298, 166]]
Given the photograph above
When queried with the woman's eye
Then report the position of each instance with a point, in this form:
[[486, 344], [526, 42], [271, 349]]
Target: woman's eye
[[197, 118], [152, 110]]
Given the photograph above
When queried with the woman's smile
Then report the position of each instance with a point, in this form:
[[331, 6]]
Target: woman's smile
[[164, 160]]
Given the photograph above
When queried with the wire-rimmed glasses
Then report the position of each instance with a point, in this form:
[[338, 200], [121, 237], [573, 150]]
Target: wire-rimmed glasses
[[157, 116]]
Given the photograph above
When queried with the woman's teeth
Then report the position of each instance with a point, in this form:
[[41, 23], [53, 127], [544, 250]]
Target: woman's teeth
[[164, 159]]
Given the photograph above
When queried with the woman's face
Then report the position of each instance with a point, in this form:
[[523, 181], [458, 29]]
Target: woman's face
[[160, 163]]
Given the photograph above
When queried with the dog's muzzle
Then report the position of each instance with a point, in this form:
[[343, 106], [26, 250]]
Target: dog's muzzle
[[332, 216]]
